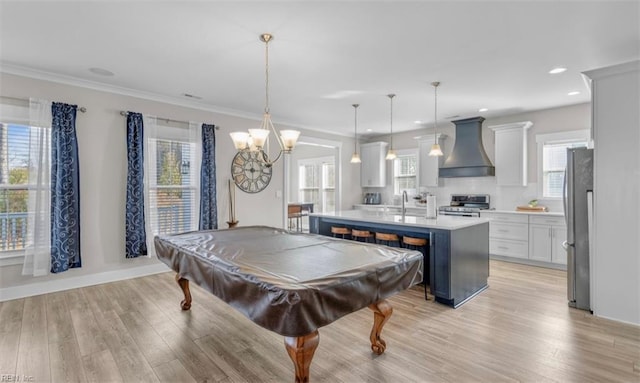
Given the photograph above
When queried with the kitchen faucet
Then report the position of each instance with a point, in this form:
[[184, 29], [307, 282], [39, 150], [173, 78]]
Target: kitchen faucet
[[405, 198]]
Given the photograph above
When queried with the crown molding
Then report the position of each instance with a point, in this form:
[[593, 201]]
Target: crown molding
[[523, 125], [37, 74], [596, 74]]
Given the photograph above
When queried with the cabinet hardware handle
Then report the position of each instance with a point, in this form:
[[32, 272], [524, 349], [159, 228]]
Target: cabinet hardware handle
[[503, 248]]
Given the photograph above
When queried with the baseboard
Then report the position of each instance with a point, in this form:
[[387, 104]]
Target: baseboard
[[51, 286], [529, 262]]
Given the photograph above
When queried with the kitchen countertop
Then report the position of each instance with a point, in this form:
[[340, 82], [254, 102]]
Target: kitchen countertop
[[545, 213], [441, 222], [382, 206]]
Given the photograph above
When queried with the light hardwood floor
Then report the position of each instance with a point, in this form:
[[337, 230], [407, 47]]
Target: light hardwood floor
[[520, 329]]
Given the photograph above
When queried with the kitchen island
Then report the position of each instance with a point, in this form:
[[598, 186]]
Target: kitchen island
[[458, 252]]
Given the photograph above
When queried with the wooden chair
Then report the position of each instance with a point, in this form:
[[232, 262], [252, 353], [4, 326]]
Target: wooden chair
[[342, 231], [422, 245], [387, 239], [295, 214], [361, 235]]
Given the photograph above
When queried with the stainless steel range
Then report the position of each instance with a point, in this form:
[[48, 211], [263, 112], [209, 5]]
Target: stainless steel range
[[466, 205]]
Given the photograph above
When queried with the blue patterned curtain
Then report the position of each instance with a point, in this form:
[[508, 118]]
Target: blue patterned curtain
[[208, 198], [65, 189], [136, 236]]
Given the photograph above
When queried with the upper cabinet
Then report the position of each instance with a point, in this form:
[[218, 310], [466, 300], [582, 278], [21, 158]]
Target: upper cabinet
[[373, 169], [511, 153], [427, 165]]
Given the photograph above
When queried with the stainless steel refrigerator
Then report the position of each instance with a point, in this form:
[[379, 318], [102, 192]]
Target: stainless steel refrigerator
[[578, 212]]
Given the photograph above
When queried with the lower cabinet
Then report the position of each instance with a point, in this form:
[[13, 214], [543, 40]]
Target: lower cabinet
[[508, 234], [546, 235], [527, 236]]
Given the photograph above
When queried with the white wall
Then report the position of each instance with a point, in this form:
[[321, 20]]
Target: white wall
[[568, 118], [616, 128], [103, 166]]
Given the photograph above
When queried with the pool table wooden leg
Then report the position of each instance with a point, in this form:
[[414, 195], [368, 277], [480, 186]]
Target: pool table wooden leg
[[382, 310], [300, 350], [184, 285]]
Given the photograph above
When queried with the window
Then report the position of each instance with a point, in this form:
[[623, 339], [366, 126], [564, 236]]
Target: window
[[173, 182], [14, 185], [317, 183], [405, 173], [552, 160]]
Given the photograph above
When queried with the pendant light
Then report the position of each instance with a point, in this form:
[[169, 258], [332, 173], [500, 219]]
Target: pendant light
[[391, 154], [256, 139], [355, 158], [435, 148]]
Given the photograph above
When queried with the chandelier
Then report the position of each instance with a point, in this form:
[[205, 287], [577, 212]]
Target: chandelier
[[435, 148], [256, 139]]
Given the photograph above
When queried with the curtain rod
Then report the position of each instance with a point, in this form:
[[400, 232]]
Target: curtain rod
[[125, 113], [80, 108]]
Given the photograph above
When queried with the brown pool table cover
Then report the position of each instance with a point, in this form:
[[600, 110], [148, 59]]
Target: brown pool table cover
[[289, 283]]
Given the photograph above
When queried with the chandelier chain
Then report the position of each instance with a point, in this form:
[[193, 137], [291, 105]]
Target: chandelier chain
[[355, 127], [391, 96], [266, 76], [435, 113]]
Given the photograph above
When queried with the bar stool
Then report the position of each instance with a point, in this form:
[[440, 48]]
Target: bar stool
[[387, 239], [361, 235], [420, 244], [294, 213], [342, 231]]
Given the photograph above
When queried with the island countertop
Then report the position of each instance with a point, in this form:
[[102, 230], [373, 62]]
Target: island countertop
[[444, 222], [456, 254]]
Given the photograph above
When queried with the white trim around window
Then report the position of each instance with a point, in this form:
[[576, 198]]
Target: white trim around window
[[405, 153], [555, 138]]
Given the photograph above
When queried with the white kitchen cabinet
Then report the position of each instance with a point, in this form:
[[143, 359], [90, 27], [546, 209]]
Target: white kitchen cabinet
[[558, 253], [511, 153], [546, 235], [616, 164], [534, 238], [508, 234], [373, 169], [429, 166]]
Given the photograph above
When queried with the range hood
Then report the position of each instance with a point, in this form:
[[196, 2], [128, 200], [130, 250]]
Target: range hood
[[468, 158]]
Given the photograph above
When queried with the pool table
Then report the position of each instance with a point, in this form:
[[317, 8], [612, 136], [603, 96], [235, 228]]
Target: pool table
[[291, 283]]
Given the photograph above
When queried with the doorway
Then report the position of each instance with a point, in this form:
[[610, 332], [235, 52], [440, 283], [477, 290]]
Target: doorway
[[314, 176]]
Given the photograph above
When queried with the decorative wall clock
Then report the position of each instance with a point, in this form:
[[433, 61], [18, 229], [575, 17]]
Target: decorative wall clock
[[249, 173]]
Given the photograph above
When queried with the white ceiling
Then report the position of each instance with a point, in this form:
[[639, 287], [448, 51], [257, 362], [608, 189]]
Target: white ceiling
[[326, 56]]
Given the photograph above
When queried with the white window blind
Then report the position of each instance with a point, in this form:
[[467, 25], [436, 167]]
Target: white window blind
[[317, 183], [309, 189], [14, 185], [405, 169], [171, 176], [328, 187], [554, 162], [172, 187]]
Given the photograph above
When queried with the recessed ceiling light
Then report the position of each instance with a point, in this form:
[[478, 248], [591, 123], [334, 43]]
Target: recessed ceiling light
[[101, 72], [369, 130], [483, 110], [557, 70], [574, 93], [417, 122]]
